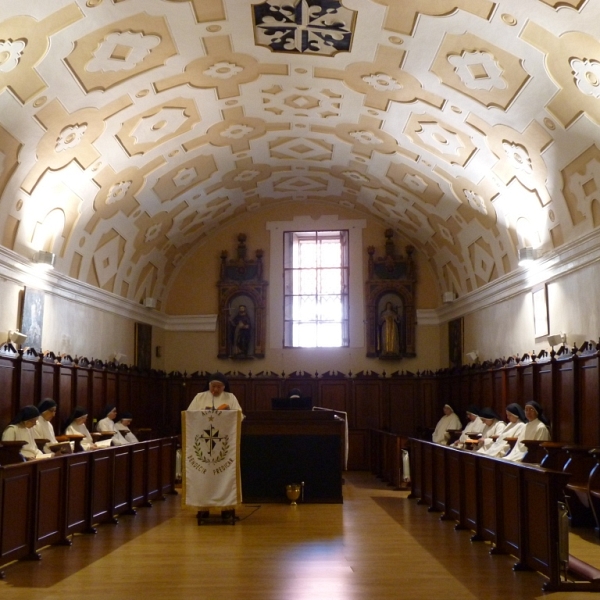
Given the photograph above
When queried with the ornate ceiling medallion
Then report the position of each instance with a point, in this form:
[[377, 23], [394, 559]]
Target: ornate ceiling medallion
[[322, 27]]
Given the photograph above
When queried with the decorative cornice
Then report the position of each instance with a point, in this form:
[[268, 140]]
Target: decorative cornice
[[18, 270], [572, 256]]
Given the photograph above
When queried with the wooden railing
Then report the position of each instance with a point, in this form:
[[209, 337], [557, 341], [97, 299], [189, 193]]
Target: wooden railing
[[514, 506], [44, 502]]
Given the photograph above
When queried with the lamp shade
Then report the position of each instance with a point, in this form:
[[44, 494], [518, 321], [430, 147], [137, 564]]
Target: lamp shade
[[150, 302], [16, 337], [44, 259], [526, 255]]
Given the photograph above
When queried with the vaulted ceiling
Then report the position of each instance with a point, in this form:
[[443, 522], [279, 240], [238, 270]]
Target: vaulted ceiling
[[131, 129]]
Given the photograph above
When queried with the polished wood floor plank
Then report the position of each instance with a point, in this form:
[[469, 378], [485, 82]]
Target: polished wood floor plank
[[377, 545]]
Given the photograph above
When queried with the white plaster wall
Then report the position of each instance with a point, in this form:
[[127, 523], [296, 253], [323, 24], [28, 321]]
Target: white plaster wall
[[506, 328]]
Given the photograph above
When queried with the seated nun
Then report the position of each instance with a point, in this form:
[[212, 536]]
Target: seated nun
[[475, 425], [75, 425], [21, 430], [106, 424], [122, 425], [535, 429], [43, 430], [515, 416], [450, 420], [493, 427]]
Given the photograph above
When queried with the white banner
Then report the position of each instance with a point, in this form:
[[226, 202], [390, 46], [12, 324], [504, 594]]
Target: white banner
[[211, 452]]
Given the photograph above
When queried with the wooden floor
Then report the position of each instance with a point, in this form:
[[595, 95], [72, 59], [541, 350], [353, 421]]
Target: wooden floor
[[377, 545]]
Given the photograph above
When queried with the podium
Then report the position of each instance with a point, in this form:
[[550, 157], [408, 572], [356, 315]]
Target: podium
[[292, 446], [211, 459]]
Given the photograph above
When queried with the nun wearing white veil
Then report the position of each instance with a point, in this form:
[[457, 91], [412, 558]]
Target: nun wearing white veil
[[450, 420]]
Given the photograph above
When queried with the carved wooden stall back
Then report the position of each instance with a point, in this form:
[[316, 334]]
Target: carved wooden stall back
[[390, 303], [242, 305], [588, 392]]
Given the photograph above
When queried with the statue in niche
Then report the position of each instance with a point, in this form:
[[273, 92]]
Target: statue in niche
[[241, 332], [390, 334], [390, 303], [242, 305]]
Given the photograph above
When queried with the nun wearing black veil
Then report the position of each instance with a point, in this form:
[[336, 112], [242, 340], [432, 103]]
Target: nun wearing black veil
[[516, 418], [217, 396], [106, 424], [21, 430], [43, 429], [535, 429], [75, 425], [474, 425], [122, 423]]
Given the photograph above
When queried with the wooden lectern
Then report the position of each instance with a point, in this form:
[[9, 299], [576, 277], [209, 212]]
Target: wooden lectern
[[293, 446]]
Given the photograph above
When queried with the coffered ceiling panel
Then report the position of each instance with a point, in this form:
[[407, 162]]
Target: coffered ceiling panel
[[130, 129]]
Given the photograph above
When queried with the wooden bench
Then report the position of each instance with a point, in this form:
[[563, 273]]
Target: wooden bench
[[44, 502], [10, 453], [579, 465], [582, 571], [517, 507], [594, 489]]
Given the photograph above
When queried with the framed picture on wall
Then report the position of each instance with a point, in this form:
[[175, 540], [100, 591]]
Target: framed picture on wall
[[32, 318], [455, 342], [143, 346], [541, 325]]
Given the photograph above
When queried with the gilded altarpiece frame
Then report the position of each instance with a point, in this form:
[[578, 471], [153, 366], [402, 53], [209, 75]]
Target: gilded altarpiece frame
[[242, 305], [390, 303]]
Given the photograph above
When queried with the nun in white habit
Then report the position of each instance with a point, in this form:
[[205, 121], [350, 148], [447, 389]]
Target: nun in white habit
[[475, 425], [75, 425], [516, 423], [493, 427], [535, 429], [123, 421], [106, 424], [216, 397], [450, 420], [21, 430], [43, 429]]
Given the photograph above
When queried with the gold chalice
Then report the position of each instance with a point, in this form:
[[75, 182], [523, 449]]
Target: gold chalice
[[292, 491]]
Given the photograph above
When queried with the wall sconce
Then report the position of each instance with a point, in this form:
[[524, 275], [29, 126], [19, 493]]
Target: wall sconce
[[150, 302], [16, 337], [473, 356], [526, 256], [448, 297], [44, 259], [556, 339], [118, 358]]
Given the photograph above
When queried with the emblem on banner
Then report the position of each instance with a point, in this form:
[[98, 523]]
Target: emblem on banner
[[210, 447]]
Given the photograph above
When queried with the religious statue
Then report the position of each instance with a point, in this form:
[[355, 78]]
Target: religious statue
[[389, 339], [241, 327], [242, 305]]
